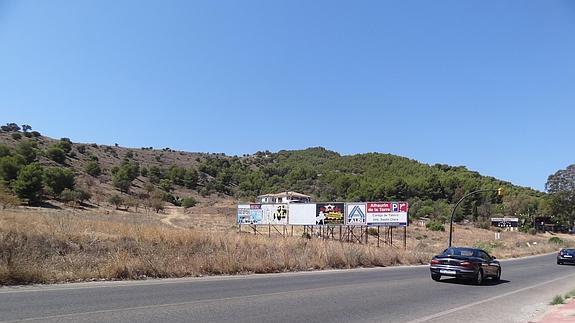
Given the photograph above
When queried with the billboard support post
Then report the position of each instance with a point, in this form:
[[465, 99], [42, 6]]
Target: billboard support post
[[404, 238]]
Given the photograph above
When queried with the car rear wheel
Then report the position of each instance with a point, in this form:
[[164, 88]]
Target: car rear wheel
[[479, 277], [436, 277]]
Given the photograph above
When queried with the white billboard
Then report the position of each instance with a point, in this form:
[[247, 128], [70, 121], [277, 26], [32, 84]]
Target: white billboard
[[275, 214], [302, 214]]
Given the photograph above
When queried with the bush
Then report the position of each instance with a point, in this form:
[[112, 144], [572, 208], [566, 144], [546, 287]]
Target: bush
[[372, 231], [555, 240], [8, 199], [93, 168], [69, 196], [435, 226], [116, 200], [188, 202], [81, 149], [16, 136], [65, 144], [56, 154], [557, 300]]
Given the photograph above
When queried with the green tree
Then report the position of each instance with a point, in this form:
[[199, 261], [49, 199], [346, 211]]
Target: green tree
[[28, 150], [5, 151], [561, 187], [28, 185], [123, 176], [9, 168], [57, 179]]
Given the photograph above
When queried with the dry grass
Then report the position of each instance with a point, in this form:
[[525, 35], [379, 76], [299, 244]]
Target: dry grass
[[45, 247]]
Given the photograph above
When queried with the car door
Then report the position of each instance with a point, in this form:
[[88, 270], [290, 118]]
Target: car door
[[491, 264]]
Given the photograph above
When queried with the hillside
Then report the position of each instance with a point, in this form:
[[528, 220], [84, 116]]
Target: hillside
[[157, 178]]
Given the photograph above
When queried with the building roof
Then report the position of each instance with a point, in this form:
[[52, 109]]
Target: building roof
[[285, 194]]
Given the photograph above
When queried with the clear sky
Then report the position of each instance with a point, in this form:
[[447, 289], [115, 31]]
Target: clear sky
[[485, 84]]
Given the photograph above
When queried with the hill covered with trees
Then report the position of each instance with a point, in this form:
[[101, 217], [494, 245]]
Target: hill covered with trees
[[35, 169]]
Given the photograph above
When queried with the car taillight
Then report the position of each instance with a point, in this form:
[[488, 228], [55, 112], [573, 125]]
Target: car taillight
[[435, 262], [466, 264]]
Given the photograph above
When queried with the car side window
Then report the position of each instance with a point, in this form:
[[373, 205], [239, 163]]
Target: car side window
[[485, 256]]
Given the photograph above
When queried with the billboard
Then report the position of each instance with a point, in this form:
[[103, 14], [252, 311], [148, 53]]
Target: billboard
[[355, 214], [302, 214], [329, 213], [274, 213], [387, 213], [249, 214]]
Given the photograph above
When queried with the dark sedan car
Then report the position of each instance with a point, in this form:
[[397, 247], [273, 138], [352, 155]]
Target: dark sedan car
[[566, 256], [466, 263]]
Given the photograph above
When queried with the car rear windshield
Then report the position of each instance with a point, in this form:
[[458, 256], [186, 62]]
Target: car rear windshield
[[467, 252]]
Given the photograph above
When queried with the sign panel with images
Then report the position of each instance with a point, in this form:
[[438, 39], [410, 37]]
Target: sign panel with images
[[387, 213], [275, 214], [329, 213], [249, 214], [355, 214]]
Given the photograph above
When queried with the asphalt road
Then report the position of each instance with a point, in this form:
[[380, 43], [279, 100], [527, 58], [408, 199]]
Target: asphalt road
[[400, 294]]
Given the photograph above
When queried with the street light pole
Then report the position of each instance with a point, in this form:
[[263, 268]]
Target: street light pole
[[459, 202]]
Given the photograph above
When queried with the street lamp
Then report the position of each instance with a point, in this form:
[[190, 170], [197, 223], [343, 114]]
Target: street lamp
[[499, 193]]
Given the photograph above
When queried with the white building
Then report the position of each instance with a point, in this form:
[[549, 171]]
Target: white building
[[284, 197]]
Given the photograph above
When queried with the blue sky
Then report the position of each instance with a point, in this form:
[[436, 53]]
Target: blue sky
[[485, 84]]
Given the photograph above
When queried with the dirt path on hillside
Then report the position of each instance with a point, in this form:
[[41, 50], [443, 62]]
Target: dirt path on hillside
[[172, 213]]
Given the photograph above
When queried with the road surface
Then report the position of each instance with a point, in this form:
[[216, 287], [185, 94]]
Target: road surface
[[394, 294]]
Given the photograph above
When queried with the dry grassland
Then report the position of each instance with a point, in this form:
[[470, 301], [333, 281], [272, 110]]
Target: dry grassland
[[60, 246]]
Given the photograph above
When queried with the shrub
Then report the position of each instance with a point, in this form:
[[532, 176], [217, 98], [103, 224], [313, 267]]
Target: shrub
[[8, 199], [83, 195], [435, 226], [555, 240], [188, 202], [69, 196], [35, 134], [16, 136], [5, 151], [557, 300], [93, 168], [81, 149], [56, 154], [372, 231], [65, 144], [116, 200]]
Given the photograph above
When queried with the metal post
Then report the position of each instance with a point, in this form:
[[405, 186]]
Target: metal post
[[404, 238], [457, 204]]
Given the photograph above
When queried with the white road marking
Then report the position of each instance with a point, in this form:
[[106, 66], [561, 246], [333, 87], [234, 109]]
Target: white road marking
[[453, 310]]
